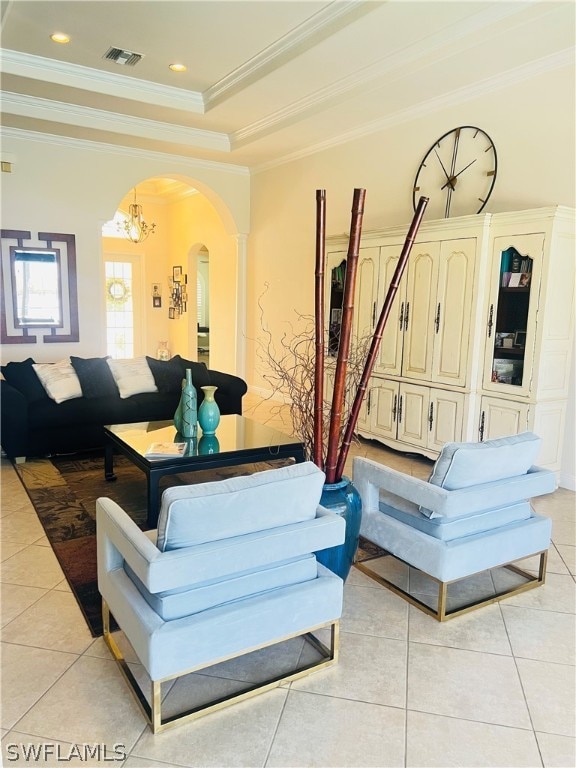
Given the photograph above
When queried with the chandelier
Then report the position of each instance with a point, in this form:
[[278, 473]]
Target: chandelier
[[134, 227]]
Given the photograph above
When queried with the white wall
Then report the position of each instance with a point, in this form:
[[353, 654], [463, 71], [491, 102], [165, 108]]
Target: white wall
[[532, 126], [72, 187]]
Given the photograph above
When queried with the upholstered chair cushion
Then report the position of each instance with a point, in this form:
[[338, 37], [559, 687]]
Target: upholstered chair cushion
[[461, 465], [212, 511], [175, 603]]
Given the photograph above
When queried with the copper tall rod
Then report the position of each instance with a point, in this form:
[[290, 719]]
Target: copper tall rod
[[345, 334], [318, 446], [377, 337]]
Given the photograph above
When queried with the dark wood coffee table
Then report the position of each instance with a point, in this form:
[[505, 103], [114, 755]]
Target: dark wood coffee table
[[239, 441]]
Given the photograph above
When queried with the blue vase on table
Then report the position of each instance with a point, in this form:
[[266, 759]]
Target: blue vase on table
[[342, 498], [186, 416], [209, 413]]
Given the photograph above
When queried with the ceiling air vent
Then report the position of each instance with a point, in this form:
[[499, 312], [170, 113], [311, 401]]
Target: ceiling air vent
[[120, 56]]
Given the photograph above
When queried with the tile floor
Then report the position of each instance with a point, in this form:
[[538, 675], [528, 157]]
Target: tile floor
[[494, 688]]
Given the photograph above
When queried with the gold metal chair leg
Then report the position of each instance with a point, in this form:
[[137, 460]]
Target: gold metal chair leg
[[441, 613], [153, 712]]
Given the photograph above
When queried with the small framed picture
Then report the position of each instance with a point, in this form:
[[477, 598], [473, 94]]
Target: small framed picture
[[336, 315], [171, 312], [177, 274], [156, 301], [184, 296], [156, 289], [520, 339]]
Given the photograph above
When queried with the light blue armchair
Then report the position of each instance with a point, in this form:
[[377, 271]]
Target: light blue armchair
[[230, 570], [472, 515]]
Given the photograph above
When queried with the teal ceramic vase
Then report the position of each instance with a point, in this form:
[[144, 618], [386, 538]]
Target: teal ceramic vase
[[208, 444], [209, 413], [186, 416], [343, 499]]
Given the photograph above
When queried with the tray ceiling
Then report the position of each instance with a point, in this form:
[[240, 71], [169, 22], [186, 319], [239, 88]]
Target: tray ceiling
[[266, 80]]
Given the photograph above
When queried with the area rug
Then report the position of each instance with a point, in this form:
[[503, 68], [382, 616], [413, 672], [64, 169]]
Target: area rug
[[63, 491]]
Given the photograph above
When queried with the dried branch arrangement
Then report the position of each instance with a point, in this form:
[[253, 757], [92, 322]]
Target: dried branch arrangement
[[290, 371], [297, 369]]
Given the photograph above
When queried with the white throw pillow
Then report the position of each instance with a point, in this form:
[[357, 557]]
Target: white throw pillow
[[132, 377], [59, 380]]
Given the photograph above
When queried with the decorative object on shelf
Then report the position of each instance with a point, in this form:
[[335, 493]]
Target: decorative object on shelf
[[299, 373], [208, 444], [343, 499], [134, 227], [163, 353], [178, 293], [457, 173], [520, 339], [209, 413], [186, 416]]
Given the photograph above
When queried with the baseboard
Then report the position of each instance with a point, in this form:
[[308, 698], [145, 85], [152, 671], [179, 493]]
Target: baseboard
[[567, 480]]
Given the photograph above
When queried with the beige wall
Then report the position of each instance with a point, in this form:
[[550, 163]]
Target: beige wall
[[74, 188], [532, 126]]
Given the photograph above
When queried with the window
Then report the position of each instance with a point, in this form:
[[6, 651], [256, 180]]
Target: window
[[120, 309]]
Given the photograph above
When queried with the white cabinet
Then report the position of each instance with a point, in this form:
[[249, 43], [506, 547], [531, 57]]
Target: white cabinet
[[499, 418], [469, 353], [412, 416], [427, 333]]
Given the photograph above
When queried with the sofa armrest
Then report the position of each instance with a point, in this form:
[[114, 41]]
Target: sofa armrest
[[13, 420], [231, 390], [434, 501]]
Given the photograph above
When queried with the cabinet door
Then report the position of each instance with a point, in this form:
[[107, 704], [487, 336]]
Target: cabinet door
[[512, 313], [499, 418], [420, 311], [383, 408], [413, 405], [445, 418], [389, 358], [453, 311], [365, 294]]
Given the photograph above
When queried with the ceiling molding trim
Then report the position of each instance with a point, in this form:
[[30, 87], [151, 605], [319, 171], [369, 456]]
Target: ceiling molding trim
[[99, 81], [364, 80], [87, 117], [182, 162], [320, 25], [460, 95]]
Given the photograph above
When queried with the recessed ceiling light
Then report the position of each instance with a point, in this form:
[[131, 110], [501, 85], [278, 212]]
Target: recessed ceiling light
[[60, 37], [177, 67]]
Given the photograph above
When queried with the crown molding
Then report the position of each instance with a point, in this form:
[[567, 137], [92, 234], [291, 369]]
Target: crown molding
[[320, 25], [88, 117], [460, 95], [365, 80], [99, 81], [182, 162]]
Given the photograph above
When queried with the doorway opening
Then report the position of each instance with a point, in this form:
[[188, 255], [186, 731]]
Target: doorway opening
[[203, 306]]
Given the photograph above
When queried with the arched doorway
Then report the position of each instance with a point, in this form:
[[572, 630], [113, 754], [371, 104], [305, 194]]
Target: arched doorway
[[189, 228]]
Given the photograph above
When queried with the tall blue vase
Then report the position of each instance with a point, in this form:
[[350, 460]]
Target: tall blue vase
[[343, 499], [186, 416], [209, 413]]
